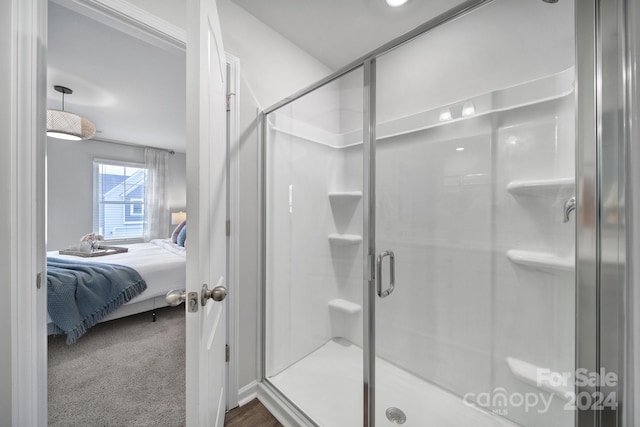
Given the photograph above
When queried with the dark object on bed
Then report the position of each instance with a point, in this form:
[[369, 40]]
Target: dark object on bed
[[80, 294]]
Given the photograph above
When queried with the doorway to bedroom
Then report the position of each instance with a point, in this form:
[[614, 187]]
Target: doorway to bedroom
[[132, 87]]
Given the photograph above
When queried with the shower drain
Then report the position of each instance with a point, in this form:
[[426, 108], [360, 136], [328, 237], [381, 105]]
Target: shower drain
[[396, 415]]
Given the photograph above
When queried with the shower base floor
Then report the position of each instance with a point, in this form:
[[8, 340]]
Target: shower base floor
[[327, 386]]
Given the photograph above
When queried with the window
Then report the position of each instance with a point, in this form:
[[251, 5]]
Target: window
[[118, 210]]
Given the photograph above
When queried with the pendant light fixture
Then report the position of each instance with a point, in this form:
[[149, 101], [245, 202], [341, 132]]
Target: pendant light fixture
[[65, 125]]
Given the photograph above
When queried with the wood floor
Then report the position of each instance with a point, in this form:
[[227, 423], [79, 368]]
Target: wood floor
[[253, 414]]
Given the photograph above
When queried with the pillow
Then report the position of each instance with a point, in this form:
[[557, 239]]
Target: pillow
[[182, 236], [174, 235]]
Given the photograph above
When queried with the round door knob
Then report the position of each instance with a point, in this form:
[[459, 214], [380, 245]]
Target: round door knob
[[175, 297], [218, 293]]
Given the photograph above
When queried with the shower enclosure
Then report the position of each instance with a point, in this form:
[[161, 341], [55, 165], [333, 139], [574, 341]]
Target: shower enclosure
[[419, 231]]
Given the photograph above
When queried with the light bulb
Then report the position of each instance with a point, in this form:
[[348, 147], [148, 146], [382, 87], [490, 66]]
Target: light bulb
[[61, 135], [395, 3]]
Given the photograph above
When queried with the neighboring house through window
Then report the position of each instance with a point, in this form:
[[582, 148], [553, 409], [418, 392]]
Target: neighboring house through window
[[119, 199]]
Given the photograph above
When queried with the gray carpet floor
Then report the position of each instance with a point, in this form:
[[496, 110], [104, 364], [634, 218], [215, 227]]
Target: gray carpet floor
[[126, 372]]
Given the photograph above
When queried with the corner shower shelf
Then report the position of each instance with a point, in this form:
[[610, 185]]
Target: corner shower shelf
[[529, 373], [345, 196], [345, 306], [345, 239], [542, 187], [542, 261]]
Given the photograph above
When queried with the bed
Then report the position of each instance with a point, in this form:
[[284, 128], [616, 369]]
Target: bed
[[160, 263]]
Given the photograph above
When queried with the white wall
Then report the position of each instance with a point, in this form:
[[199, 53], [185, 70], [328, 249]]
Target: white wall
[[271, 68], [7, 82], [70, 185]]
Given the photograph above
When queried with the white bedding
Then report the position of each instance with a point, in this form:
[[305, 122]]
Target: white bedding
[[161, 263]]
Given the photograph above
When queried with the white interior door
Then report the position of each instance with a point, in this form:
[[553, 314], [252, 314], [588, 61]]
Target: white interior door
[[206, 208]]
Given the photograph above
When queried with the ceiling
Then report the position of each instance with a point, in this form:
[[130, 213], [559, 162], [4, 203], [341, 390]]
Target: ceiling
[[337, 32], [133, 91]]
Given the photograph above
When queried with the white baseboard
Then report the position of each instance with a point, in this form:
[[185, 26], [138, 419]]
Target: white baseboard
[[247, 393]]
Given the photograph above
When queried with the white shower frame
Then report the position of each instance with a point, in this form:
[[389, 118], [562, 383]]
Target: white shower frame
[[593, 19]]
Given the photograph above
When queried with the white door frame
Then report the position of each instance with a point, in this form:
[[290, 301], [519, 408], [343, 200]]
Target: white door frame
[[28, 151]]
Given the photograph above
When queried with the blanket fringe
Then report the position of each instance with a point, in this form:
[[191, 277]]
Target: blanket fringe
[[125, 296]]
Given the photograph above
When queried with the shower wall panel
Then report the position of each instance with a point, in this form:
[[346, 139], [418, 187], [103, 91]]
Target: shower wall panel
[[310, 270], [534, 308], [476, 54]]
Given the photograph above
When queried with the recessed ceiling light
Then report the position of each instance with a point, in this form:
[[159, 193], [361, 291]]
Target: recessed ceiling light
[[460, 149], [395, 3], [445, 114], [468, 109]]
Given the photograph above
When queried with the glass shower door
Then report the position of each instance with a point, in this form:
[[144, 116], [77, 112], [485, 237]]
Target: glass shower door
[[313, 266], [474, 235]]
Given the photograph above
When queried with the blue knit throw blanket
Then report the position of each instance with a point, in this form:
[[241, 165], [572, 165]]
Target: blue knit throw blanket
[[80, 294]]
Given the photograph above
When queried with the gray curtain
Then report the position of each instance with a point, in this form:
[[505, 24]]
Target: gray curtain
[[156, 211]]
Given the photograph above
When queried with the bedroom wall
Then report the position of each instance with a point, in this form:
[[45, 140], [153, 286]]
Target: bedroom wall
[[271, 68], [6, 267], [70, 185]]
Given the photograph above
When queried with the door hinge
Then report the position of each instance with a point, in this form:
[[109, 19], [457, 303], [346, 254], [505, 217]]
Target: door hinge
[[229, 100], [39, 281], [226, 353], [228, 225]]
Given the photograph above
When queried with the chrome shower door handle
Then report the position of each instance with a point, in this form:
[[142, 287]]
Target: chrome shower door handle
[[392, 273]]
